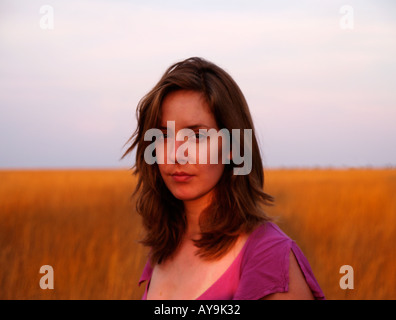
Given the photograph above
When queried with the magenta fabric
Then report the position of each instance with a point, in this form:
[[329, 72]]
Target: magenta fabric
[[261, 268]]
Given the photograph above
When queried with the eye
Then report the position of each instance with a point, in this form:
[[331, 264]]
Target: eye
[[200, 136]]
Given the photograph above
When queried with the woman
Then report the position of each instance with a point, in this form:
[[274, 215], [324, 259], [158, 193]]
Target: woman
[[204, 220]]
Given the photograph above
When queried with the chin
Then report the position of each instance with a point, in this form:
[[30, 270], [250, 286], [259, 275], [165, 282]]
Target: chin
[[185, 196], [190, 195]]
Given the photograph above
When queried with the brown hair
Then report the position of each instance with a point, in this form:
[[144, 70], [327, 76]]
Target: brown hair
[[237, 206]]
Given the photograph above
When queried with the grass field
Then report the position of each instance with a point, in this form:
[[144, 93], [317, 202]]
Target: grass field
[[83, 224]]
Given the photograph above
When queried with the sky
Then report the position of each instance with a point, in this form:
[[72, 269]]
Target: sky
[[319, 77]]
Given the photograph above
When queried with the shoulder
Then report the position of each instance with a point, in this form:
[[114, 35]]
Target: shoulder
[[269, 231], [271, 262], [264, 263], [266, 240], [298, 288]]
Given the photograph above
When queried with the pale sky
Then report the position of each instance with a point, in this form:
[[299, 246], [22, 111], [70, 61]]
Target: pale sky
[[320, 95]]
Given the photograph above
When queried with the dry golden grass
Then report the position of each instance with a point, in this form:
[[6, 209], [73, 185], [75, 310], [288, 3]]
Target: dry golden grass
[[83, 224], [79, 222]]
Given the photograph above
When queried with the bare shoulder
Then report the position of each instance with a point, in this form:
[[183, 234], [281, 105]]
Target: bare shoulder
[[298, 287]]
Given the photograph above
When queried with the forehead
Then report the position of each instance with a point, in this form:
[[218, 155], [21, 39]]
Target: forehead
[[187, 109]]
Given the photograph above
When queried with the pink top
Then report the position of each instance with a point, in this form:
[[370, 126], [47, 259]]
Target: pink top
[[261, 268]]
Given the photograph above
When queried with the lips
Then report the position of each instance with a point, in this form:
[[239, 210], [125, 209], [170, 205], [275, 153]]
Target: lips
[[181, 176]]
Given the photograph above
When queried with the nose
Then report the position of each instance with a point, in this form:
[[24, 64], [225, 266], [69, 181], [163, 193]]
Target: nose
[[181, 153]]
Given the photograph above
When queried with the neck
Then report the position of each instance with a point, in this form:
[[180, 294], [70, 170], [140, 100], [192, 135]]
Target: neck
[[193, 210]]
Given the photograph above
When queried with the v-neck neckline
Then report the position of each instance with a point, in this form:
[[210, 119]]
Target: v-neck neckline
[[215, 283], [234, 264]]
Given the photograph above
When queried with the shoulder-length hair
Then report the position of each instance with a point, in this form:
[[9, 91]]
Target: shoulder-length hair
[[237, 204]]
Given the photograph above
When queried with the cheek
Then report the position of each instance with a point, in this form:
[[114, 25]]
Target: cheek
[[162, 170], [212, 173], [160, 149], [207, 153]]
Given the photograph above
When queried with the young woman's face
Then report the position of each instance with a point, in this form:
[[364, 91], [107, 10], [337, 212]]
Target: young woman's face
[[188, 181]]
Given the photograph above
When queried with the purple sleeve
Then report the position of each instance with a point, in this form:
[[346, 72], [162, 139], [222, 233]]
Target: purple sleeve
[[146, 276], [307, 272], [265, 266]]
